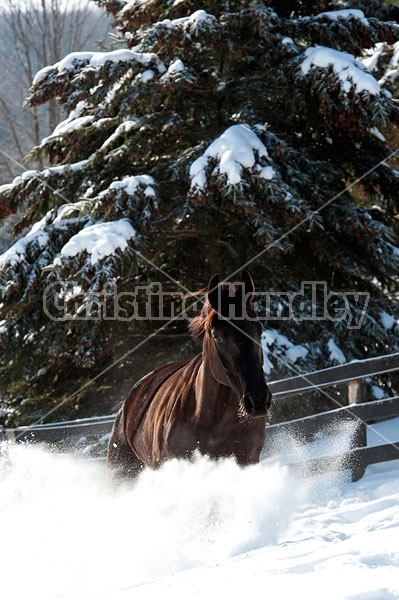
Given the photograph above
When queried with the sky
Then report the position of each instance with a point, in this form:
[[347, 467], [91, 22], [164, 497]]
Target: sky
[[198, 529]]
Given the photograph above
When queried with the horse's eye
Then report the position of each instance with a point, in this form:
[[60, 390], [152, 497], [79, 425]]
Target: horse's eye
[[217, 338]]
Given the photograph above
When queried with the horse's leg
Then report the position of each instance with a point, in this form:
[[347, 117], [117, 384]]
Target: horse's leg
[[120, 456]]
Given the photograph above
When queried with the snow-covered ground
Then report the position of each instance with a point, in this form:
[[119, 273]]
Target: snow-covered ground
[[201, 529]]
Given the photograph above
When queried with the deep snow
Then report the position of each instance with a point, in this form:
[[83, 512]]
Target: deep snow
[[200, 529]]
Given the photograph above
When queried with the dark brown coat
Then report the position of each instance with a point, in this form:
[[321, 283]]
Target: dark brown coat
[[215, 403]]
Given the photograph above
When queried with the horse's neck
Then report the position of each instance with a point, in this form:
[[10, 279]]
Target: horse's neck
[[212, 369], [212, 386]]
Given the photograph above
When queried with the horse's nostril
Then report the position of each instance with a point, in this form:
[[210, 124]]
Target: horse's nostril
[[257, 405], [249, 405]]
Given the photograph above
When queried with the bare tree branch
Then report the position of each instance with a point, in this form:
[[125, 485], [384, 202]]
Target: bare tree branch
[[34, 34]]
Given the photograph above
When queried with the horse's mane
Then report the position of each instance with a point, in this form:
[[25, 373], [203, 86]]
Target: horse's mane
[[201, 322]]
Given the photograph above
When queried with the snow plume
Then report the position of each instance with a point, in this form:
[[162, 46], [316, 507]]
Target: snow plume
[[329, 444], [87, 536], [351, 73], [196, 529]]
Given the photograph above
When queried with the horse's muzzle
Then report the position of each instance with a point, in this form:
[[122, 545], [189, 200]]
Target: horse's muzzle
[[257, 405]]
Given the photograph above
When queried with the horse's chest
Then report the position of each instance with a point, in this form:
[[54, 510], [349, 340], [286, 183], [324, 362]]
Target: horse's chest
[[214, 439]]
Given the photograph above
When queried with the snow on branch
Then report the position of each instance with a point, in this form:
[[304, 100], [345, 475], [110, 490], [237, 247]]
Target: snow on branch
[[200, 20], [277, 345], [22, 264], [17, 253], [372, 57], [133, 196], [346, 30], [98, 241], [236, 150], [76, 60], [24, 177], [68, 126], [393, 67], [178, 72], [335, 353], [164, 37], [123, 129], [31, 186], [351, 73], [131, 184], [65, 79], [346, 13]]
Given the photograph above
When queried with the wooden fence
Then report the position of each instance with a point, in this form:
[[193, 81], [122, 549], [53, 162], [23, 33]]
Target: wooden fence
[[356, 458]]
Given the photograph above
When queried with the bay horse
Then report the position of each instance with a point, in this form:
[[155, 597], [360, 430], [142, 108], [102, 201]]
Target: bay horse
[[216, 403]]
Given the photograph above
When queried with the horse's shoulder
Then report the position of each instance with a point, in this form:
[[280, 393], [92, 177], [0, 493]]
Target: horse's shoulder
[[144, 390], [160, 374]]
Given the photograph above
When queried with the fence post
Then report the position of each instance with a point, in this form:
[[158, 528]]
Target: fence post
[[356, 395]]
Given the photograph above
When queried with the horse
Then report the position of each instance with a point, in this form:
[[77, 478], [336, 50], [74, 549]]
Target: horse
[[216, 403]]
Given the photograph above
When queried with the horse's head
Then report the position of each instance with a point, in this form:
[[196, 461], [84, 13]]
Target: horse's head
[[233, 336]]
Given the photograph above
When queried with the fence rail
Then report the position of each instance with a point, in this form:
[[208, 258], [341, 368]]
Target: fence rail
[[358, 369], [54, 432], [358, 457]]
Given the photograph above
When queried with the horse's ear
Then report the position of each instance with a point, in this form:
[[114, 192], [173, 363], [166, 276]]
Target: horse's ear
[[213, 291], [249, 286]]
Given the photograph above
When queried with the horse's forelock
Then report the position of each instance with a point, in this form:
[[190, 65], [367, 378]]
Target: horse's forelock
[[201, 323]]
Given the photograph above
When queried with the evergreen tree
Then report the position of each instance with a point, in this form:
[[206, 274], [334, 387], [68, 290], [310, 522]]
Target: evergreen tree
[[215, 135]]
